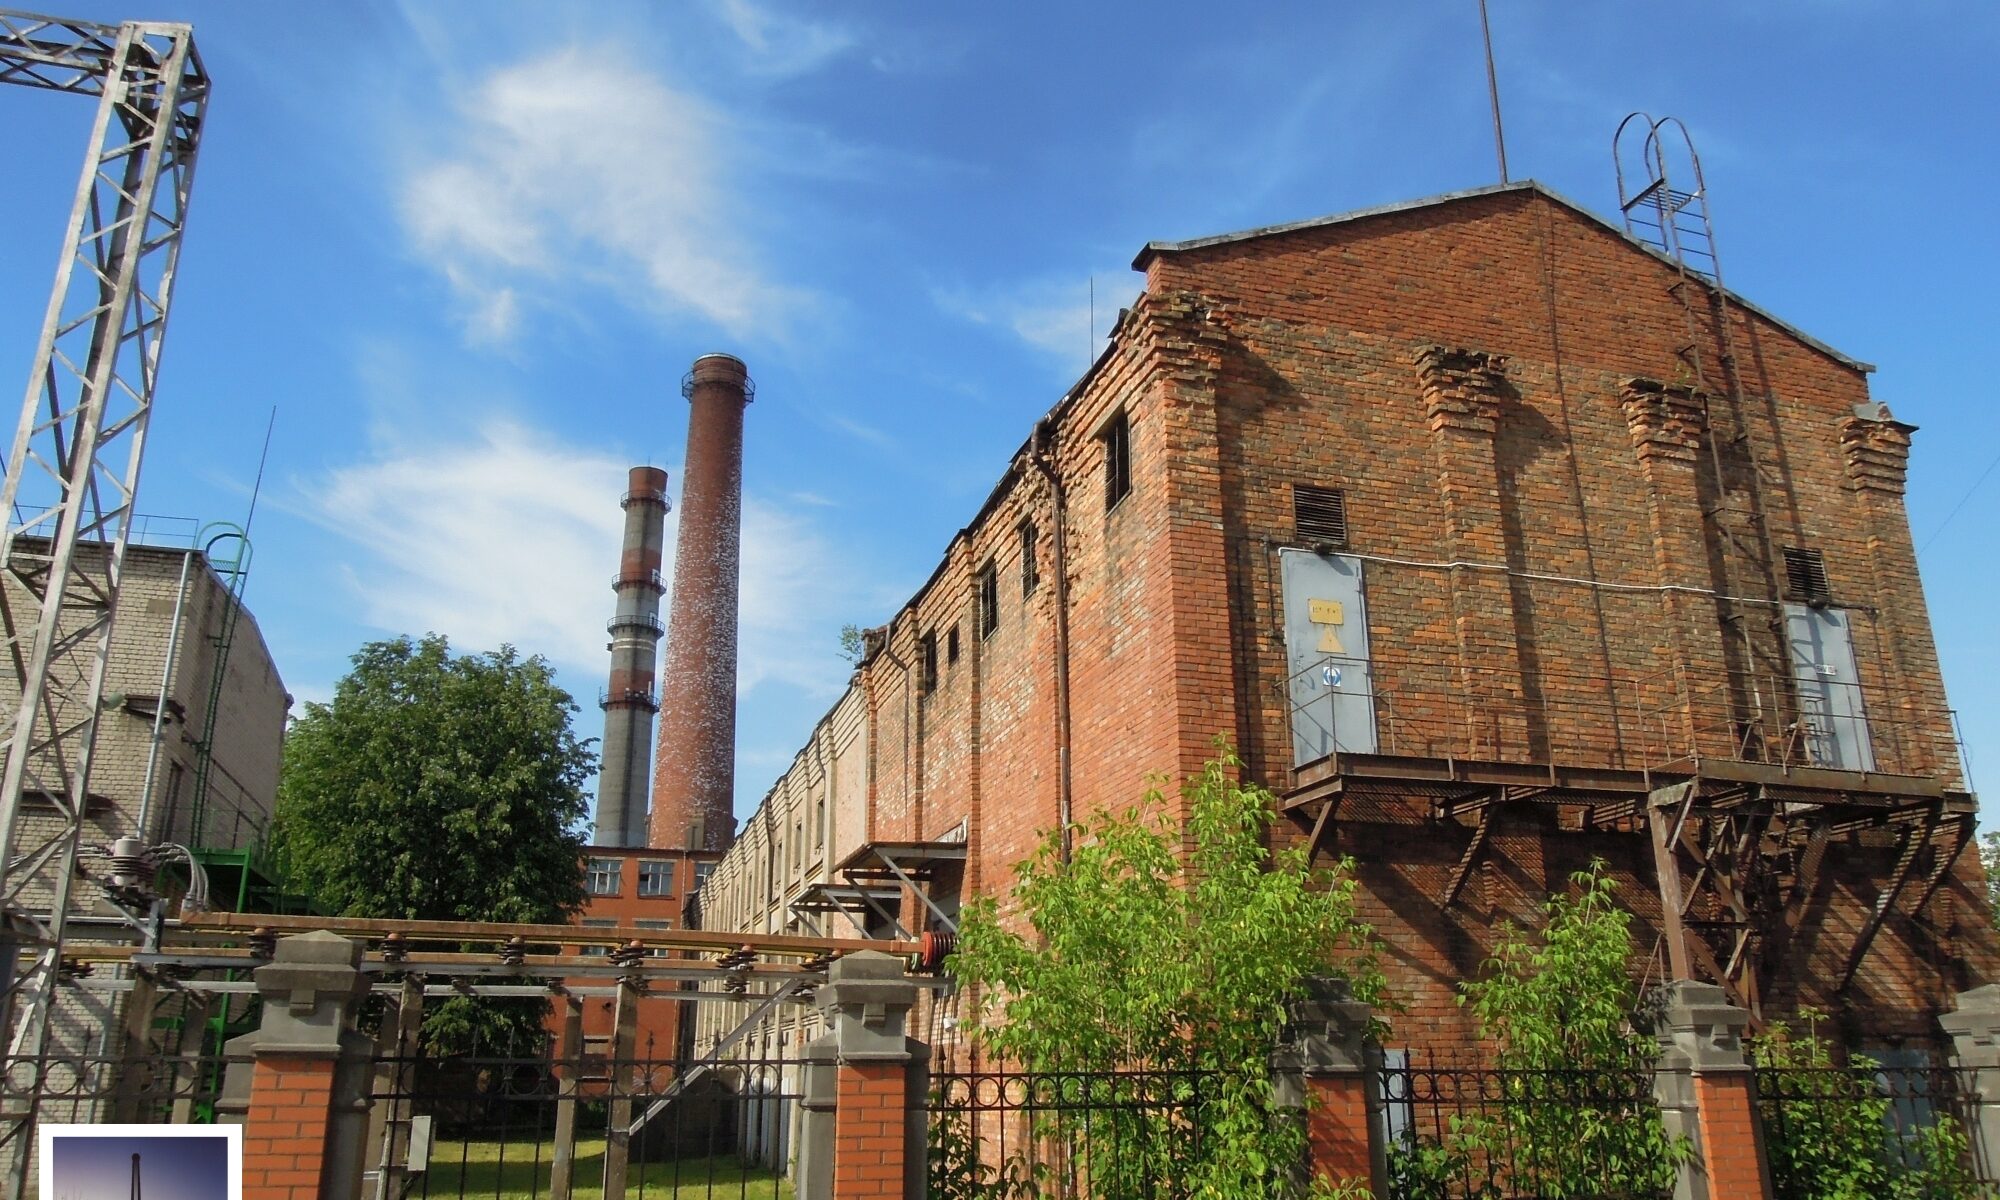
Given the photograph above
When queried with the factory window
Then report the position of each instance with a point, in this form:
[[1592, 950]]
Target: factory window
[[1320, 515], [592, 923], [798, 843], [951, 644], [1030, 569], [989, 600], [1805, 576], [656, 877], [702, 870], [606, 876], [1117, 438], [927, 672]]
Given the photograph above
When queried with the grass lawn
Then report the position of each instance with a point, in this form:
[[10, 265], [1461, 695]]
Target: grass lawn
[[476, 1169]]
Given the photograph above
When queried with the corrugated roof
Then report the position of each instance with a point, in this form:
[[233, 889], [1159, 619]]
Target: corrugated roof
[[1526, 185]]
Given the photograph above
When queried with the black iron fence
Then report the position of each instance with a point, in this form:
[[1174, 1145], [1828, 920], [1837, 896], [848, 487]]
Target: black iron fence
[[1106, 1135], [1882, 1131], [523, 1128], [1462, 1132], [66, 1088]]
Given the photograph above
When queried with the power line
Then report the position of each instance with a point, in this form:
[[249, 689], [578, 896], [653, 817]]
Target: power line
[[1961, 504]]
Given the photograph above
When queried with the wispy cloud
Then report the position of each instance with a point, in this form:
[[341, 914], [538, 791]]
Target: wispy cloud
[[783, 44], [584, 168], [1064, 318], [512, 536]]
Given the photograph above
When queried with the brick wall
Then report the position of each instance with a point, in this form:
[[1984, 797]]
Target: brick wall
[[1494, 383]]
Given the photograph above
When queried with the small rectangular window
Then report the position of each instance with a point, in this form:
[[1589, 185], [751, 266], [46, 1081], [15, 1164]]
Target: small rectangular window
[[702, 870], [927, 664], [1320, 515], [594, 923], [1031, 573], [656, 877], [1117, 438], [989, 600], [1805, 576], [606, 876], [951, 644]]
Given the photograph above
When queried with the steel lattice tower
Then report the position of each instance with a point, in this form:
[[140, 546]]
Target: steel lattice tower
[[74, 466]]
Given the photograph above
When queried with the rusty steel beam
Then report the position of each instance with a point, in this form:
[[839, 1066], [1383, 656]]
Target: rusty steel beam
[[789, 945]]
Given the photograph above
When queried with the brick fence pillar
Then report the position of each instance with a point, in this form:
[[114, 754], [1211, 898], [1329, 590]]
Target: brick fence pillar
[[880, 1079], [1704, 1086], [1332, 1067], [303, 1102], [1975, 1038]]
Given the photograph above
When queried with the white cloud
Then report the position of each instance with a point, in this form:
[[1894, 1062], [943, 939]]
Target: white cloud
[[581, 166], [513, 537], [783, 45], [1059, 317]]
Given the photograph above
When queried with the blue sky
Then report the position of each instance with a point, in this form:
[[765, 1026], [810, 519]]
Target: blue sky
[[468, 249]]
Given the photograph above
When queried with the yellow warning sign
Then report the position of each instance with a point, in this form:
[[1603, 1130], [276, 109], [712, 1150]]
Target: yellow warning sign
[[1326, 614]]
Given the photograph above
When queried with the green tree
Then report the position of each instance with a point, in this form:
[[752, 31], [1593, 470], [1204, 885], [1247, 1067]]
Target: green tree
[[439, 787], [1577, 1117], [1150, 951]]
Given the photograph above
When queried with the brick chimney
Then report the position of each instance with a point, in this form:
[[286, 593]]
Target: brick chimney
[[694, 773]]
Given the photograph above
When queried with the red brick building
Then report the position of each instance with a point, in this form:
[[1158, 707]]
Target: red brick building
[[1497, 542], [634, 887]]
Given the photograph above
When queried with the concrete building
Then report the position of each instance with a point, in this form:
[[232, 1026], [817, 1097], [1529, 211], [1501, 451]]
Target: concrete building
[[1497, 542]]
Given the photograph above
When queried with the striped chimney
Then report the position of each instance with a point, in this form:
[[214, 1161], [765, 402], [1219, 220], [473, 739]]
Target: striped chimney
[[631, 699]]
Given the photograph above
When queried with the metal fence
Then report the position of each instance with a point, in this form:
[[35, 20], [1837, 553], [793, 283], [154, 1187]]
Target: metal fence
[[1105, 1135], [521, 1128], [1888, 1131], [1459, 1132]]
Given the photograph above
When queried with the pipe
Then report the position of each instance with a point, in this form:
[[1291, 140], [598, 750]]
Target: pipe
[[160, 708], [1042, 456]]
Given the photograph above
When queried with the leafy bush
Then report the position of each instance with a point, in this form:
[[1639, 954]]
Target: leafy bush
[[1170, 952], [1829, 1132]]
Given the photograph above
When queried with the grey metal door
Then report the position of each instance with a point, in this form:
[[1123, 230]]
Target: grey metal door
[[1833, 718], [1330, 683]]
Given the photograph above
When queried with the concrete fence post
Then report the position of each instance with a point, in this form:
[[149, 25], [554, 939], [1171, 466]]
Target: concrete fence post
[[1706, 1094], [881, 1078], [1331, 1067], [303, 1101], [821, 1085], [1974, 1027]]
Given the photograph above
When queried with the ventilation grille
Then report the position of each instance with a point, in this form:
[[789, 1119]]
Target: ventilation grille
[[1320, 514], [1805, 576]]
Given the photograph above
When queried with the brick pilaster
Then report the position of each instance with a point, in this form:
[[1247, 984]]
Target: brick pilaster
[[303, 1099], [879, 1081], [1704, 1089], [1465, 394], [1910, 723], [1686, 713], [1330, 1066]]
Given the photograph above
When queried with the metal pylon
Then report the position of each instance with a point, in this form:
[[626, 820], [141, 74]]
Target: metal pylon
[[74, 466]]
